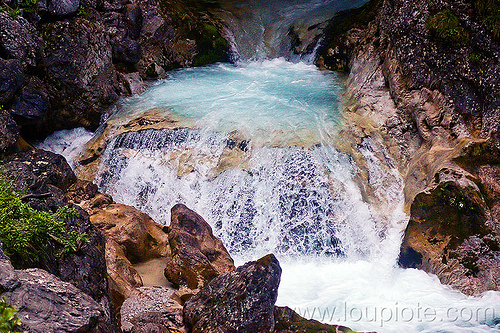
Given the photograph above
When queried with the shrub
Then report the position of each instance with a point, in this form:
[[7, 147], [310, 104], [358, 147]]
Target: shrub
[[8, 319], [27, 233], [446, 27]]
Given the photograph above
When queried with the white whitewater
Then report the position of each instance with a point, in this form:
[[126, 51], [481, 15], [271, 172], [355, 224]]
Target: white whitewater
[[287, 190]]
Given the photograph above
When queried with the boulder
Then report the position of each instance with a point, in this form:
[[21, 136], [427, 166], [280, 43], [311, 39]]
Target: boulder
[[133, 83], [151, 310], [140, 237], [450, 234], [59, 7], [126, 50], [238, 301], [131, 237], [11, 79], [19, 40], [9, 132], [80, 79], [123, 279], [47, 304], [81, 190], [31, 107], [49, 168], [197, 255]]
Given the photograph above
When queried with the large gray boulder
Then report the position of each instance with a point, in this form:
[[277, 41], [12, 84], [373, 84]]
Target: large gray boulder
[[19, 39], [240, 301]]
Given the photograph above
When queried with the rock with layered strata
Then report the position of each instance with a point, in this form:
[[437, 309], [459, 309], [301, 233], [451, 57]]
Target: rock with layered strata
[[197, 255]]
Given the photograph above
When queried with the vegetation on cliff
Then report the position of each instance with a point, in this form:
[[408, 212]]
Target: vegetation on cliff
[[9, 321], [26, 232]]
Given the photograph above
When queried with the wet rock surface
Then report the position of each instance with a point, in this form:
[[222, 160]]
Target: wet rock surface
[[197, 255], [238, 301], [415, 92]]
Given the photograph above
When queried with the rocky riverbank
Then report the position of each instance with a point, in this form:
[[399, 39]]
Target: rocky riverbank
[[423, 83], [63, 63]]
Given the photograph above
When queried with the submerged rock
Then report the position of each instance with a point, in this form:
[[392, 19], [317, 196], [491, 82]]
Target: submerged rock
[[197, 255], [239, 301]]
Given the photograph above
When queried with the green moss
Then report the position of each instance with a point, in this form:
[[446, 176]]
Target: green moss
[[446, 28], [27, 233]]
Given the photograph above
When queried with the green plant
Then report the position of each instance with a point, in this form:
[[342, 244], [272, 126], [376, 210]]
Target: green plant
[[82, 11], [27, 6], [489, 12], [446, 28], [26, 233], [8, 318]]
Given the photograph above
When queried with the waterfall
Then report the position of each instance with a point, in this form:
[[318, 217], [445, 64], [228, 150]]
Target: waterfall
[[255, 154], [264, 29]]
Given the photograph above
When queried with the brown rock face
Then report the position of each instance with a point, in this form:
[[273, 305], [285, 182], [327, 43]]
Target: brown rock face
[[239, 301], [450, 232], [131, 237], [197, 255]]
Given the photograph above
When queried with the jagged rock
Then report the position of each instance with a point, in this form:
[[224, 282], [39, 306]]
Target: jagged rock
[[47, 304], [126, 50], [11, 78], [9, 132], [51, 169], [83, 80], [449, 235], [151, 310], [288, 321], [44, 176], [19, 39], [133, 83], [133, 20], [238, 301], [31, 107], [197, 255], [81, 190], [123, 279], [59, 7]]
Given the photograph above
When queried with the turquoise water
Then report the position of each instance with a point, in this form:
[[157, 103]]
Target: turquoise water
[[250, 97]]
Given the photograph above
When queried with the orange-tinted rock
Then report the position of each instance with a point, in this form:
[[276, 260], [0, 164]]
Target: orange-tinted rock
[[197, 255]]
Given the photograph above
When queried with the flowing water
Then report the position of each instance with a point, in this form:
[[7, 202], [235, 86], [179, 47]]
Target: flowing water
[[256, 157]]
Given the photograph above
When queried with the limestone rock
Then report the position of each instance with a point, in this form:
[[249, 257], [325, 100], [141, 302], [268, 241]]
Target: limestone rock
[[238, 301], [11, 78], [151, 310], [59, 7], [140, 237], [449, 235], [83, 80], [197, 255]]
